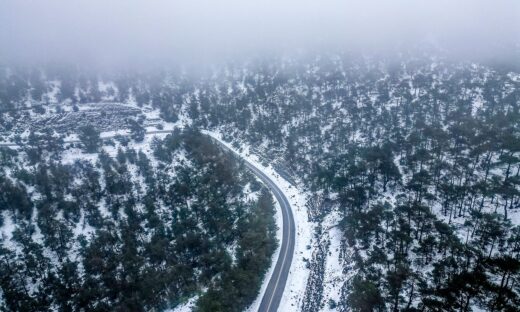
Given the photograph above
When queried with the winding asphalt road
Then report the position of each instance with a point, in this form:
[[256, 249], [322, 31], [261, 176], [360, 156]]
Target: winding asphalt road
[[275, 288]]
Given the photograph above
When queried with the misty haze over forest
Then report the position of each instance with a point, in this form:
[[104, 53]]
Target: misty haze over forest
[[243, 156], [133, 32]]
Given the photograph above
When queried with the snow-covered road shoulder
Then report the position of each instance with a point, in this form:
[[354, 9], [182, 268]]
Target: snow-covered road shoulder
[[298, 274]]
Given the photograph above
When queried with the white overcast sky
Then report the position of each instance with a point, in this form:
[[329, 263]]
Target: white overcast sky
[[132, 31]]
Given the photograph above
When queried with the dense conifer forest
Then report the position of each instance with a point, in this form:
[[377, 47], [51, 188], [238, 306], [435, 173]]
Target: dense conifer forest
[[132, 232]]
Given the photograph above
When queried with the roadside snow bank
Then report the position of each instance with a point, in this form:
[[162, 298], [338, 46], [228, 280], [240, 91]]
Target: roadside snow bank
[[334, 277]]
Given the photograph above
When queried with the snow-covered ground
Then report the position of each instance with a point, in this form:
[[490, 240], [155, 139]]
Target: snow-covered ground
[[299, 273], [185, 307], [334, 277]]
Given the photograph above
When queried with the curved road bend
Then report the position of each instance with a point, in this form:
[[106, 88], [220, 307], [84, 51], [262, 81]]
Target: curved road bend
[[275, 288]]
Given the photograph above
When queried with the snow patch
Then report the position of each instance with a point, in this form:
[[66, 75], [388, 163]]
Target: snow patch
[[185, 307], [334, 277]]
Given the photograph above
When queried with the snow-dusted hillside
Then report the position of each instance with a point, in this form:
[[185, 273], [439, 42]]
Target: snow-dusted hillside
[[407, 169], [138, 224]]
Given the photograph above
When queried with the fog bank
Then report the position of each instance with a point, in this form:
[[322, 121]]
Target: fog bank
[[131, 32]]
